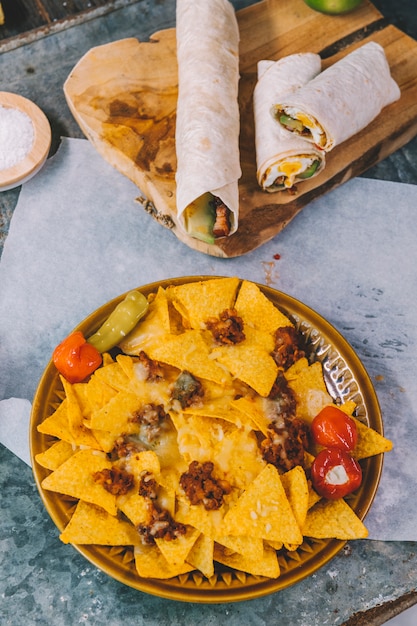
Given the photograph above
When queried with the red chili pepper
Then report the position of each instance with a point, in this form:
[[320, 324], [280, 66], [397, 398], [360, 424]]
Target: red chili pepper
[[332, 428], [335, 473], [76, 359]]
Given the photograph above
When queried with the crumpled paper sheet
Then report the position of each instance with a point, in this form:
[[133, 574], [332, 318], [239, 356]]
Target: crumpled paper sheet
[[78, 238]]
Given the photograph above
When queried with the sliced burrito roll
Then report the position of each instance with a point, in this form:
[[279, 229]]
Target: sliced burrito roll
[[342, 100], [283, 159], [207, 126]]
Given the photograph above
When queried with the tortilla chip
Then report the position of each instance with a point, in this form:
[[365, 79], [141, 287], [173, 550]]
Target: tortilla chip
[[113, 375], [264, 511], [116, 416], [151, 563], [333, 518], [249, 547], [149, 330], [90, 524], [55, 455], [207, 522], [251, 364], [75, 478], [96, 393], [56, 425], [296, 488], [267, 566], [254, 412], [198, 301], [189, 352], [309, 388], [81, 435], [370, 442], [224, 409], [176, 550], [257, 310], [201, 556]]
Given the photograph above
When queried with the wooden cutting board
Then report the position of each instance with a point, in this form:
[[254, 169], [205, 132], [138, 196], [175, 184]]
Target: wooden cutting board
[[123, 96]]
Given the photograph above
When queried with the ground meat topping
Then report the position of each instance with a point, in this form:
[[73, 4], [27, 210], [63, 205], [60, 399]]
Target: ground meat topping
[[151, 417], [125, 447], [228, 329], [153, 369], [287, 348], [187, 390], [221, 226], [201, 487], [115, 480], [284, 447], [283, 397], [160, 526], [148, 487]]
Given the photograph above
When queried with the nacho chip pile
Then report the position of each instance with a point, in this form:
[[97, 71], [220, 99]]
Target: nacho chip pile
[[162, 447]]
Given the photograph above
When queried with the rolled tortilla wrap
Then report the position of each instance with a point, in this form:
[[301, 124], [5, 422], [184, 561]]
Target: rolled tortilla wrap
[[207, 126], [342, 100], [283, 158]]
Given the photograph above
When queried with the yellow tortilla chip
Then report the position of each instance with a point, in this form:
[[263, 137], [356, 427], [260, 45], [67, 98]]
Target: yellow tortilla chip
[[225, 410], [57, 425], [251, 364], [90, 524], [257, 310], [113, 375], [252, 408], [267, 566], [264, 511], [198, 301], [370, 442], [55, 455], [96, 393], [81, 435], [189, 352], [296, 488], [176, 550], [151, 328], [207, 522], [309, 388], [333, 518], [249, 547], [116, 416], [75, 478], [201, 556], [151, 563]]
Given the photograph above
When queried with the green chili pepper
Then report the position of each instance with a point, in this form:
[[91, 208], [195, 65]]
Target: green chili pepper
[[120, 322]]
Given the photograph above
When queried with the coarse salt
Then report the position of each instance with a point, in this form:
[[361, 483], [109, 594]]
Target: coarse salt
[[16, 136]]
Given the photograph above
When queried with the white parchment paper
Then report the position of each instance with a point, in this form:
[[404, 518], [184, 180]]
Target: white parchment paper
[[78, 238]]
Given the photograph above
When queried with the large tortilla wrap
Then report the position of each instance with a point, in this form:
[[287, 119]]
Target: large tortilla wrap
[[277, 150], [207, 126], [345, 97]]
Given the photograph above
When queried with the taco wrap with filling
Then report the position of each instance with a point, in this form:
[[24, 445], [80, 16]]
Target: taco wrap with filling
[[342, 100], [207, 126], [283, 159]]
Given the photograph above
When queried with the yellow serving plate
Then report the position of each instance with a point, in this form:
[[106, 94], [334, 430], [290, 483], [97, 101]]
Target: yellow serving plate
[[346, 378]]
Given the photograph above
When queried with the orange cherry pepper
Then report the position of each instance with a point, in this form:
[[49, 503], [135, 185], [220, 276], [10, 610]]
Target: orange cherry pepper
[[76, 359]]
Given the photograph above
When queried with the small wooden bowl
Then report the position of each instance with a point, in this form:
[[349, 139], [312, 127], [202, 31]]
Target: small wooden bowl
[[33, 161]]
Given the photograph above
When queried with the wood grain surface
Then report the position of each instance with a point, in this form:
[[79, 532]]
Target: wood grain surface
[[123, 96]]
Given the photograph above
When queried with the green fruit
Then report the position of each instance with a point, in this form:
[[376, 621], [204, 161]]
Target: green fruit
[[333, 7]]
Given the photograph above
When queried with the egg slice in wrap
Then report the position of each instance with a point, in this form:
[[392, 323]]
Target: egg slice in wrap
[[283, 158], [342, 100], [207, 126]]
